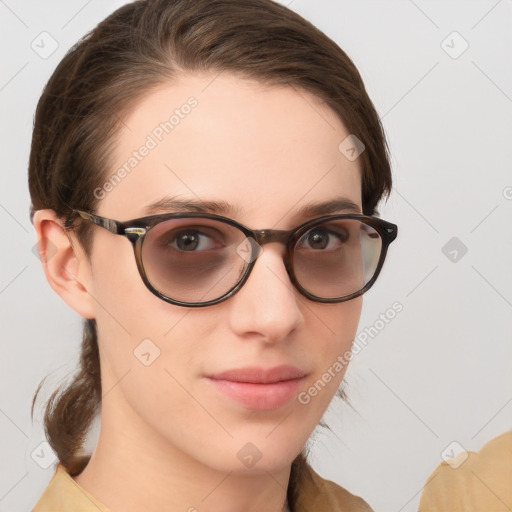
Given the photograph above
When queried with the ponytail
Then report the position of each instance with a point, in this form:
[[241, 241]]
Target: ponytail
[[70, 412]]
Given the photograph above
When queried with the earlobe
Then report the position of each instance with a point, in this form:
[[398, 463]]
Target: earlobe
[[65, 264]]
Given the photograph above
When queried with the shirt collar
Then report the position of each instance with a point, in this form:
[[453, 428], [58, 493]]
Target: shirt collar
[[307, 492]]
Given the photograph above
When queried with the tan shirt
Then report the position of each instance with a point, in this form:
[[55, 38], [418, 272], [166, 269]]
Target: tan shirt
[[482, 482], [314, 494]]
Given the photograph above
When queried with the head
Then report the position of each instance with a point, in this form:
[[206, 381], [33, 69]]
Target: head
[[240, 103]]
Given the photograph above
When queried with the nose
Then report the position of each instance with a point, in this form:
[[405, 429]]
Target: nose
[[267, 304]]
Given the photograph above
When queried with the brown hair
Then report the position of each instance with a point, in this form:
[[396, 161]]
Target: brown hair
[[143, 45]]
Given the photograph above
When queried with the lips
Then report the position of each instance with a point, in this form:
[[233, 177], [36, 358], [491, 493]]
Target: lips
[[259, 388], [257, 375]]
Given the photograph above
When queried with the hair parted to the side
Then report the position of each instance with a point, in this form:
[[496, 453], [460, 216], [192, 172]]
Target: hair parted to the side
[[149, 43]]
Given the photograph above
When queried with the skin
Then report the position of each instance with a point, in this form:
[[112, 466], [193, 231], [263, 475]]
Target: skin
[[164, 428]]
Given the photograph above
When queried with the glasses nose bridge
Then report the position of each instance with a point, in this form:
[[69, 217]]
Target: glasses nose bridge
[[267, 236]]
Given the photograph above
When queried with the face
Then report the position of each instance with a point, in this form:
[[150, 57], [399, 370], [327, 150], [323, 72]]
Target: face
[[267, 152]]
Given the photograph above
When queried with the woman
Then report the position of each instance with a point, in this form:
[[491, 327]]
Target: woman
[[204, 177]]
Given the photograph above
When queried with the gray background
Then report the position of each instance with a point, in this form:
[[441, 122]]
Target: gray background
[[439, 372]]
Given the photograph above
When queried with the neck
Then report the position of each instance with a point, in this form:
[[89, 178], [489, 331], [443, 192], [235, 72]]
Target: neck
[[131, 470]]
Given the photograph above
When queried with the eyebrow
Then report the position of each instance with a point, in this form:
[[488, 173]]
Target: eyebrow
[[310, 210]]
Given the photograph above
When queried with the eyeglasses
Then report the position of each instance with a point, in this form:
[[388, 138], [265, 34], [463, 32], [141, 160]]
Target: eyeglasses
[[197, 260]]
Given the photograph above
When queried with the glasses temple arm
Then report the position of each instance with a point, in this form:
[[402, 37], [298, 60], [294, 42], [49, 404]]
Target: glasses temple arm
[[108, 224]]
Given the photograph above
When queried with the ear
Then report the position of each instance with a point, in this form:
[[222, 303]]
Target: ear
[[66, 266]]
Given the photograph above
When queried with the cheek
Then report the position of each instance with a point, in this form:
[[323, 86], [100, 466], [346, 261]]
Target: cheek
[[138, 331], [151, 366], [331, 349], [336, 325]]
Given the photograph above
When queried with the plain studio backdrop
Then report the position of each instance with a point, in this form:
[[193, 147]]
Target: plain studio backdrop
[[433, 375]]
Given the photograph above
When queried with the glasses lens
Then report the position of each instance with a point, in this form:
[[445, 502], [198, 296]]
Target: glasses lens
[[337, 258], [194, 259]]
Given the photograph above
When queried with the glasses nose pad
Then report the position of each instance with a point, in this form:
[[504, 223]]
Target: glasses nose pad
[[249, 250]]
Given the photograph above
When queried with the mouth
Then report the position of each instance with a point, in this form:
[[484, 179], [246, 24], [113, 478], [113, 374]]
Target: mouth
[[259, 388]]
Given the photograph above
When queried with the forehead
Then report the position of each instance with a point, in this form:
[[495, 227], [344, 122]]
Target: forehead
[[265, 150]]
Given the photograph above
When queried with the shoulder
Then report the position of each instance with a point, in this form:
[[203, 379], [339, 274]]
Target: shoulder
[[312, 492], [472, 480], [63, 494]]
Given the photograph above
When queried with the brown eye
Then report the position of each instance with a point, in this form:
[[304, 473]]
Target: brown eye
[[323, 238], [192, 241]]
